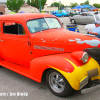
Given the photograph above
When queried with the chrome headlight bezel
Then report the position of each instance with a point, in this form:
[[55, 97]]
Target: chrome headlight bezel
[[85, 57]]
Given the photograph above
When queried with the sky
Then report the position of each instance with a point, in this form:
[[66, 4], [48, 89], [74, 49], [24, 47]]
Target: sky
[[67, 2]]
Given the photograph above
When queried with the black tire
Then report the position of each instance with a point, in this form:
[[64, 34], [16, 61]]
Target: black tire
[[73, 21], [58, 84]]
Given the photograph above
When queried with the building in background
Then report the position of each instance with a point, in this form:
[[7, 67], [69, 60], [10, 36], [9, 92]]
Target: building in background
[[49, 9], [2, 8], [26, 8]]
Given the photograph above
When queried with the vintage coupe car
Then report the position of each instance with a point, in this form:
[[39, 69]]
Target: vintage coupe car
[[85, 18], [37, 46]]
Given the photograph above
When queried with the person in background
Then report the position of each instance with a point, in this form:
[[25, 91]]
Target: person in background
[[96, 30]]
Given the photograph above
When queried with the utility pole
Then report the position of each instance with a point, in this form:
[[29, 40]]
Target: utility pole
[[40, 5]]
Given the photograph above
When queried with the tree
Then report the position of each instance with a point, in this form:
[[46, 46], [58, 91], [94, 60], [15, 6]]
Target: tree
[[57, 4], [35, 3], [85, 3], [61, 6], [14, 5], [96, 5], [73, 5]]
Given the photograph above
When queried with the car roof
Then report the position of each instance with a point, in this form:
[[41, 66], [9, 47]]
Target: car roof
[[91, 12], [23, 16]]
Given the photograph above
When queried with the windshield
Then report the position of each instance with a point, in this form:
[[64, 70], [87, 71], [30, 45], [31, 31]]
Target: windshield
[[42, 24]]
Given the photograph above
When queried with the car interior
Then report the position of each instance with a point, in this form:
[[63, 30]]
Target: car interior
[[13, 28]]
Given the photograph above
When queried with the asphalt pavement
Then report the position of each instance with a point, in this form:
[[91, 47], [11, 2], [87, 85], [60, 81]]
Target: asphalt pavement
[[66, 22]]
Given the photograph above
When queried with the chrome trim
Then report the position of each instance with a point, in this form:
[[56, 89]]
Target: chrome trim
[[92, 73], [83, 82]]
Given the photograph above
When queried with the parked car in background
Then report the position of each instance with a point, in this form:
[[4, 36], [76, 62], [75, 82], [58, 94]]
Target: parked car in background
[[57, 13], [65, 13], [72, 13], [61, 13], [85, 18]]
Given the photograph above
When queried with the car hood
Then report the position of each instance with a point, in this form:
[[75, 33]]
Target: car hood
[[64, 40]]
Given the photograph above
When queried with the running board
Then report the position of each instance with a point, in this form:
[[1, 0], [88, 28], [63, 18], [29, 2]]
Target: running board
[[25, 71]]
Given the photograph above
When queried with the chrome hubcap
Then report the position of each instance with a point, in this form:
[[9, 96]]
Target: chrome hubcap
[[73, 21], [56, 82]]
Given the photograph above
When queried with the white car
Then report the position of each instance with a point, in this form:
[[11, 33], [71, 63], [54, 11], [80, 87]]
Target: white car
[[85, 18]]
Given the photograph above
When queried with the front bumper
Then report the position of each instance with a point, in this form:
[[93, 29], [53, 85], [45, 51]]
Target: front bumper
[[91, 73]]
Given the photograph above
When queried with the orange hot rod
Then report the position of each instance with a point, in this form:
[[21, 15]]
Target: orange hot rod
[[36, 46]]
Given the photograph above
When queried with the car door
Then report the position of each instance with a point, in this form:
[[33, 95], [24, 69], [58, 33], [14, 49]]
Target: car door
[[91, 18], [83, 18], [14, 43]]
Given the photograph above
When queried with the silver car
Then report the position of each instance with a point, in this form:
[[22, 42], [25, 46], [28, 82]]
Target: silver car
[[85, 18]]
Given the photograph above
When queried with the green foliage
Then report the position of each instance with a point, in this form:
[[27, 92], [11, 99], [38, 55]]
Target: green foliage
[[14, 5], [85, 3], [35, 3], [73, 5], [81, 3], [43, 11], [96, 5], [28, 2], [57, 4], [61, 6]]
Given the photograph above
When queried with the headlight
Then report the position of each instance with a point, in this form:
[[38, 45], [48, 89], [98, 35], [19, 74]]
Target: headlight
[[85, 57], [80, 56]]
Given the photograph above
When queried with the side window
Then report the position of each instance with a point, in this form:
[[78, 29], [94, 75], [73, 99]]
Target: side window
[[13, 28], [84, 14], [89, 14]]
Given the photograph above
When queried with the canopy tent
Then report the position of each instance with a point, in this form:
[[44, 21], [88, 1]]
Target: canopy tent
[[87, 6], [92, 8], [74, 9], [96, 9], [79, 7]]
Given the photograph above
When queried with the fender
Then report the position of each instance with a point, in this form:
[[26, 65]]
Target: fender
[[80, 74], [74, 71], [40, 64]]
